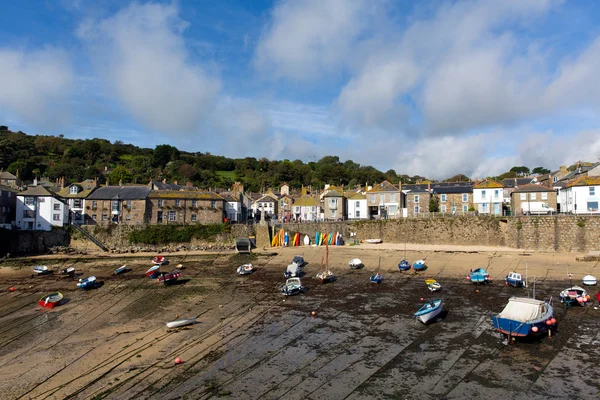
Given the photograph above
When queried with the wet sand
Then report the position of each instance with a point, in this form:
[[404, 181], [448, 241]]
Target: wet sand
[[251, 342]]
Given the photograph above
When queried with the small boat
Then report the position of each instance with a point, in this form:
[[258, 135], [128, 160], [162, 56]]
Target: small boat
[[433, 285], [325, 275], [291, 287], [87, 283], [41, 269], [589, 280], [429, 311], [68, 271], [478, 275], [404, 265], [245, 269], [418, 265], [574, 295], [120, 270], [160, 260], [153, 272], [356, 263], [50, 300], [373, 241], [377, 278], [292, 271], [523, 316], [299, 261], [169, 278], [181, 322], [514, 279]]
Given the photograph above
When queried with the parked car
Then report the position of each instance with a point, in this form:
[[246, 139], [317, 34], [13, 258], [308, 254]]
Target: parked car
[[536, 207]]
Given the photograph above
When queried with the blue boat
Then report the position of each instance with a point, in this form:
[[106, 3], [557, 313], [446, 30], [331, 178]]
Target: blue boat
[[377, 278], [525, 317], [479, 275], [418, 265], [87, 283], [514, 279], [404, 265], [429, 311], [120, 270]]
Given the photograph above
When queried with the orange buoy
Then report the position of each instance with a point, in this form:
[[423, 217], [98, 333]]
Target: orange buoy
[[553, 320], [177, 361], [422, 299], [476, 290], [314, 313], [534, 329], [12, 289]]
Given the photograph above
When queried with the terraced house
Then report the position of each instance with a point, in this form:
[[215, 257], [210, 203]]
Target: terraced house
[[75, 196], [306, 208], [488, 197], [185, 207], [117, 205], [334, 204], [385, 200]]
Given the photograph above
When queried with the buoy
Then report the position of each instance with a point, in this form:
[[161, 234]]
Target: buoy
[[506, 283], [553, 320], [314, 313], [177, 316], [476, 290], [534, 329], [12, 289], [468, 278], [422, 299], [177, 361], [549, 322]]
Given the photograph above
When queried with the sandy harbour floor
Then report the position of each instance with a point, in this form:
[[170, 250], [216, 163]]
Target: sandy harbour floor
[[251, 342]]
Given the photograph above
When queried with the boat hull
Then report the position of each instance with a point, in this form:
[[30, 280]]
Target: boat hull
[[404, 265], [418, 265], [515, 282], [51, 300], [431, 315], [181, 322], [521, 329], [120, 270], [589, 280]]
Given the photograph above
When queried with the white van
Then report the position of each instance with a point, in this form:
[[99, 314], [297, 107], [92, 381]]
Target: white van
[[536, 207]]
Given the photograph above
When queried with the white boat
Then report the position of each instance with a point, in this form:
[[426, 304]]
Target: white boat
[[291, 287], [355, 263], [41, 269], [245, 269], [68, 271], [373, 241], [429, 311], [325, 275], [306, 240], [589, 280], [292, 271], [574, 295], [433, 285], [181, 322]]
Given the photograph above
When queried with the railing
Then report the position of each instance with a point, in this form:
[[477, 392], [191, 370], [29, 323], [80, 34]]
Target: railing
[[90, 237]]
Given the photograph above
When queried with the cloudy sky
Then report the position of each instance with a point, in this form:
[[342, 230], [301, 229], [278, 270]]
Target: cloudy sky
[[433, 88]]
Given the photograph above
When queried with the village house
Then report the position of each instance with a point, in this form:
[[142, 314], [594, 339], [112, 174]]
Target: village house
[[74, 195], [510, 184], [8, 206], [185, 207], [163, 185], [581, 196], [357, 206], [39, 209], [334, 206], [233, 207], [522, 197], [385, 200], [267, 204], [488, 197], [454, 199], [417, 201], [306, 208], [10, 180], [117, 205], [552, 177]]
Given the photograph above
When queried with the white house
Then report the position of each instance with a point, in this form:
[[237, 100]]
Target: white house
[[581, 196], [75, 195], [267, 204], [233, 207], [306, 209], [38, 209], [488, 197], [357, 207]]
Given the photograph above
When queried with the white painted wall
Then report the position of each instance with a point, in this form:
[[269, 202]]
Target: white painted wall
[[47, 212], [580, 196], [488, 201], [359, 206]]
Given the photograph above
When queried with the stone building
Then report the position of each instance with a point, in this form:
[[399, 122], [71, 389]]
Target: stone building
[[75, 195], [417, 202], [334, 205], [10, 180], [522, 196], [454, 199], [117, 205], [385, 200], [185, 207], [8, 206]]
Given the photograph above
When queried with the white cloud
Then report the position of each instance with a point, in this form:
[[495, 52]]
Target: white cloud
[[140, 51], [36, 86]]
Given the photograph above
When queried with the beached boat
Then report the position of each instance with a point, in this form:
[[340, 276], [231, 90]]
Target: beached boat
[[120, 270], [170, 277], [160, 260], [153, 271], [87, 283], [377, 278], [418, 265], [514, 279], [589, 280], [356, 263], [181, 322], [574, 295], [292, 271], [299, 261], [523, 316], [50, 300], [41, 269], [373, 241], [433, 285], [245, 269], [429, 311], [404, 265], [291, 287], [478, 275], [68, 271], [325, 275]]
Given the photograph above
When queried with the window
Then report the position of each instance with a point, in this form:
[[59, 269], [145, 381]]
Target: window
[[483, 194], [128, 203], [297, 210], [523, 196], [465, 197], [443, 199], [94, 217], [42, 199], [544, 196], [416, 199], [332, 213], [332, 203], [416, 210], [104, 217], [392, 198], [56, 206], [115, 205], [77, 203], [55, 217], [128, 218], [453, 209], [213, 204], [194, 217], [28, 214], [314, 209], [592, 190], [160, 202], [281, 203], [177, 203], [30, 201], [194, 202], [94, 204], [357, 213], [496, 194], [443, 208], [73, 189], [592, 206], [372, 198], [532, 196], [555, 179], [465, 209], [172, 215], [159, 217]]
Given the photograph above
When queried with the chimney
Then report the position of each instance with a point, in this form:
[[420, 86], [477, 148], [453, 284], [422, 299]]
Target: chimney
[[429, 187], [62, 182], [120, 182], [105, 168], [96, 182], [35, 181], [17, 173], [176, 182], [56, 182], [164, 181]]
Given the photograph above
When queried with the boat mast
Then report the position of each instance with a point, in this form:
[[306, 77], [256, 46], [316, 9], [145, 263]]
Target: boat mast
[[327, 258], [526, 274]]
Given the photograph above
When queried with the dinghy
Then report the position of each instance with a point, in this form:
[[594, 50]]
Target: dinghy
[[50, 300], [292, 271], [87, 283], [41, 269], [478, 275], [153, 272], [299, 261], [404, 265], [245, 269], [68, 271], [514, 279], [306, 240], [356, 263], [418, 265], [589, 280], [433, 285], [160, 260], [181, 322], [574, 295], [373, 241], [120, 270], [429, 311], [169, 278], [523, 316], [377, 278], [291, 287]]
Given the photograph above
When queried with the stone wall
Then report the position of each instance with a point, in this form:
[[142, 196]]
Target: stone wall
[[31, 242]]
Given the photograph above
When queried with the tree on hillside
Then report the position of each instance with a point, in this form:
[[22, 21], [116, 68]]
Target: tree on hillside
[[187, 171], [520, 171], [164, 153], [458, 178], [119, 174], [540, 170]]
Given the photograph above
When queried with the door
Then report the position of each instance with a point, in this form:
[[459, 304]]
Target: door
[[496, 208], [159, 217]]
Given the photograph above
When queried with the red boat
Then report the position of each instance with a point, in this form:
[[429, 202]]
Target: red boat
[[160, 260], [50, 300], [153, 271], [169, 278]]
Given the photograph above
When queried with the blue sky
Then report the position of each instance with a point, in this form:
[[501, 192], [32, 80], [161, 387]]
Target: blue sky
[[433, 88]]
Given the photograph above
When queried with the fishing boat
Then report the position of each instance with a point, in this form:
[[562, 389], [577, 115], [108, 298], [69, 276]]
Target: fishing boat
[[523, 316], [373, 241], [68, 271], [433, 285], [245, 269], [50, 300], [429, 311], [418, 265], [169, 278], [478, 275], [291, 287], [120, 270], [356, 263], [514, 279], [404, 265], [41, 269], [377, 278], [87, 283], [325, 275], [299, 261], [160, 260], [153, 272], [574, 295], [589, 280], [181, 322]]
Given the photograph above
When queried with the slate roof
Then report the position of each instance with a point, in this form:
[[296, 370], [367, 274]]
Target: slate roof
[[452, 189], [124, 193], [36, 191], [333, 193], [7, 188], [357, 196], [384, 186], [585, 181], [532, 188], [7, 175], [178, 194], [510, 182], [85, 188], [165, 186], [488, 184]]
